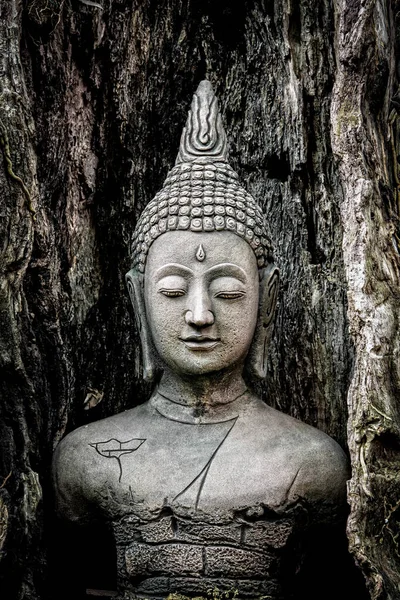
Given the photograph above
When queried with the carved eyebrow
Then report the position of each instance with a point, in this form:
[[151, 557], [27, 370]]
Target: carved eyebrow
[[228, 270], [173, 269]]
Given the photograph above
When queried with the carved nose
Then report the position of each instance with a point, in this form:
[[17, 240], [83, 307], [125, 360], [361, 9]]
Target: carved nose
[[200, 315]]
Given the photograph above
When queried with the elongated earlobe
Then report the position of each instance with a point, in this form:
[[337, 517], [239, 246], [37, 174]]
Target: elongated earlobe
[[134, 282], [269, 287]]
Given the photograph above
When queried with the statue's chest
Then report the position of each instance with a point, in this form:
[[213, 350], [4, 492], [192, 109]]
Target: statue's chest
[[192, 508], [203, 467]]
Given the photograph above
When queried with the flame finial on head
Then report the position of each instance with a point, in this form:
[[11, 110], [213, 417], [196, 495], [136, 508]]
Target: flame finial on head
[[203, 138], [202, 192]]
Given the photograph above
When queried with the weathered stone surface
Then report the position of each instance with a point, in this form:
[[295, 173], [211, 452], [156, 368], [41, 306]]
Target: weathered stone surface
[[236, 563], [154, 586], [264, 534], [159, 531], [124, 528], [209, 534], [169, 559]]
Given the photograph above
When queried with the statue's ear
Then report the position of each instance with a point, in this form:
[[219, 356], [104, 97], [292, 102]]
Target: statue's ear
[[135, 283], [269, 286]]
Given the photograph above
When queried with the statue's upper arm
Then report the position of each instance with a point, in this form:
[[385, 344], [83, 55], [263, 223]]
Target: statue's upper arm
[[323, 475], [68, 471]]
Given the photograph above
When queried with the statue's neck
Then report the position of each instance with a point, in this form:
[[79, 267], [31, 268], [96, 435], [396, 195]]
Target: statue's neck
[[204, 391]]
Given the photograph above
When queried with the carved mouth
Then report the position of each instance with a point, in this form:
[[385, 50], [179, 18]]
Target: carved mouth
[[200, 342]]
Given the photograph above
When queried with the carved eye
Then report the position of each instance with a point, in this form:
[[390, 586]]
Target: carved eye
[[227, 287], [234, 295], [172, 286], [172, 293]]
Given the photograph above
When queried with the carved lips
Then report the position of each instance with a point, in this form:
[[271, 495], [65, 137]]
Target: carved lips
[[200, 342], [114, 448]]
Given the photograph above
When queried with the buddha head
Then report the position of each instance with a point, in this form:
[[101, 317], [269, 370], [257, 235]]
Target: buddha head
[[203, 283]]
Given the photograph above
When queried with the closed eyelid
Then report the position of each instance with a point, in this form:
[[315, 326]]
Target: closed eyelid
[[172, 269], [227, 270], [227, 285], [172, 282]]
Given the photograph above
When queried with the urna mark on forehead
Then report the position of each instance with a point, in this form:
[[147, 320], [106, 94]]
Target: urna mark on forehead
[[200, 253], [202, 194]]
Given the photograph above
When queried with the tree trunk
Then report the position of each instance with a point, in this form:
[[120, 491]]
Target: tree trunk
[[93, 97]]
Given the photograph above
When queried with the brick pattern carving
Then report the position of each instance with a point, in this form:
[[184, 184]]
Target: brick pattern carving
[[172, 554]]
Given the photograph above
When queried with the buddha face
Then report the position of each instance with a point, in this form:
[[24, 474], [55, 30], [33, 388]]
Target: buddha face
[[201, 299]]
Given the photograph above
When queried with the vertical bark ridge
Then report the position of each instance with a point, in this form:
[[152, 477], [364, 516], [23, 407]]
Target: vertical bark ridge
[[361, 134]]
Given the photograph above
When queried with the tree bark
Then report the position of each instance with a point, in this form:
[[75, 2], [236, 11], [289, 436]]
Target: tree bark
[[92, 104], [365, 144]]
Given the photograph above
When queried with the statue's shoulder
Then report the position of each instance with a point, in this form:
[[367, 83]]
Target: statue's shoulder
[[74, 464], [72, 447], [319, 464], [323, 467]]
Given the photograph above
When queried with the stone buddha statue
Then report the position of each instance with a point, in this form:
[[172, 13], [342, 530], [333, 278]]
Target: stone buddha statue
[[204, 485]]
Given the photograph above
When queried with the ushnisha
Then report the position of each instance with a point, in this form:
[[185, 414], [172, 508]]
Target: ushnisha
[[202, 191]]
